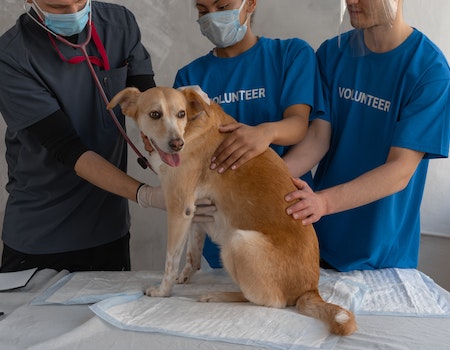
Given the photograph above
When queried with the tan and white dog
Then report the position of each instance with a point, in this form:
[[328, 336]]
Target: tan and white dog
[[273, 258]]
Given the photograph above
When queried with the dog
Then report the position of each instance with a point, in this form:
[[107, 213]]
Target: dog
[[273, 258]]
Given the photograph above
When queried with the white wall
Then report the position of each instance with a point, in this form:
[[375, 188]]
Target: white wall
[[172, 36]]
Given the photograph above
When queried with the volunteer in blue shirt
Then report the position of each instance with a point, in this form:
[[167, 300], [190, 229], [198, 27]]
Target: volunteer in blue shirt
[[387, 89], [270, 86], [68, 191]]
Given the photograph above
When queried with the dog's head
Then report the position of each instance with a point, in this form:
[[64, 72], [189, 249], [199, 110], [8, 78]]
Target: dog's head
[[160, 113]]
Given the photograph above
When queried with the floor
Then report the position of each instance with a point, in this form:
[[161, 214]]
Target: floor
[[434, 259]]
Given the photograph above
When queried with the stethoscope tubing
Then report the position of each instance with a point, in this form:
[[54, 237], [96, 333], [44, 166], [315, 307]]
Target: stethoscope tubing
[[143, 162]]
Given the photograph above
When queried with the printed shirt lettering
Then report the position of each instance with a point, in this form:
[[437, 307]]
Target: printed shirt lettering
[[240, 95], [364, 98]]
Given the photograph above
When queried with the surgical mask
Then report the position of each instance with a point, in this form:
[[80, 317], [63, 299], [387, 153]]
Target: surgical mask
[[66, 24], [223, 28]]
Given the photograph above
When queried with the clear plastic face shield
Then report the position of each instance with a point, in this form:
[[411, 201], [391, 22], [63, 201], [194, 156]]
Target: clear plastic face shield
[[364, 19]]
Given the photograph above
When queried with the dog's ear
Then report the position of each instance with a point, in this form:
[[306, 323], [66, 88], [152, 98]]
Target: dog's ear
[[195, 103], [127, 99]]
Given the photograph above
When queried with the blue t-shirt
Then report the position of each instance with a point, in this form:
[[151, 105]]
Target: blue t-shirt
[[257, 86], [50, 209], [377, 101]]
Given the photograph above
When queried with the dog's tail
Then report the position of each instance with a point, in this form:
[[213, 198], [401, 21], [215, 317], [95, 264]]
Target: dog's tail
[[340, 321]]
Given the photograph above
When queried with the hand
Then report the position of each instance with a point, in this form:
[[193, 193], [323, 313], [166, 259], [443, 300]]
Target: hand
[[310, 207], [242, 144], [204, 210], [148, 146], [148, 196]]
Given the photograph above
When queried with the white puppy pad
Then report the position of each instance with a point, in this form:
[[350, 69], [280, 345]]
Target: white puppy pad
[[90, 287], [403, 292], [239, 323], [381, 292]]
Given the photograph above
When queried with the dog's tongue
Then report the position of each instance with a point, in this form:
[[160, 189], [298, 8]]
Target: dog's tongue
[[172, 159]]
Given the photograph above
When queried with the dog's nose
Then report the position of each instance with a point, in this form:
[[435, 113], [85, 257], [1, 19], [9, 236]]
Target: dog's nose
[[176, 144]]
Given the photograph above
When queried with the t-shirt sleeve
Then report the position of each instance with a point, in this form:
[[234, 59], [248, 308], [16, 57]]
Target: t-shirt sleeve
[[302, 83], [180, 79], [22, 84], [424, 121], [320, 54], [139, 60]]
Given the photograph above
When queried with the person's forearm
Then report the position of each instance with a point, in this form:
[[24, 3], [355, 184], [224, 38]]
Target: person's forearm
[[302, 157], [360, 191], [292, 128], [383, 181], [288, 131], [99, 172]]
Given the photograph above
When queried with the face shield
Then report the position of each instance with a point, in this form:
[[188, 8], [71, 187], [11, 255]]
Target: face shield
[[359, 17]]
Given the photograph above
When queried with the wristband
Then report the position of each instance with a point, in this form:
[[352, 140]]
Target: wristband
[[137, 191]]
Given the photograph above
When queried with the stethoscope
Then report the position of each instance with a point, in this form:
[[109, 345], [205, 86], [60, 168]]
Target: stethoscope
[[143, 162]]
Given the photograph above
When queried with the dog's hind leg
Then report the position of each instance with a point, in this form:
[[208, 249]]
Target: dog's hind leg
[[196, 239], [245, 258], [340, 321]]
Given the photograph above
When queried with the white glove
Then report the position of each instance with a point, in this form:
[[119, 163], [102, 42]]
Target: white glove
[[148, 196], [198, 90]]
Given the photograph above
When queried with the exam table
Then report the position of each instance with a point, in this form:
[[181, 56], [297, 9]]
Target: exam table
[[106, 310]]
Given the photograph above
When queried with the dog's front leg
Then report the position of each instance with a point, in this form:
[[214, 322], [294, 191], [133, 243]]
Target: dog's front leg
[[178, 226], [196, 240]]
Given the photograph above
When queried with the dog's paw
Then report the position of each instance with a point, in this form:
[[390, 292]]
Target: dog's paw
[[222, 297], [209, 298], [156, 292]]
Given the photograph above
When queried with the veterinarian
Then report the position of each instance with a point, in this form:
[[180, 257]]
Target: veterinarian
[[387, 86], [68, 190], [270, 86]]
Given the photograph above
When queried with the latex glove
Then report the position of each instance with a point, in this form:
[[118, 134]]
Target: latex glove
[[148, 196], [198, 90], [204, 210]]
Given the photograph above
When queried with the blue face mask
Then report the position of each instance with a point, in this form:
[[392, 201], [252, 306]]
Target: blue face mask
[[66, 24], [223, 28]]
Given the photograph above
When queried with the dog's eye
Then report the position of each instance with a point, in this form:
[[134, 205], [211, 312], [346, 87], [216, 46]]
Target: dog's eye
[[155, 115], [181, 114]]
